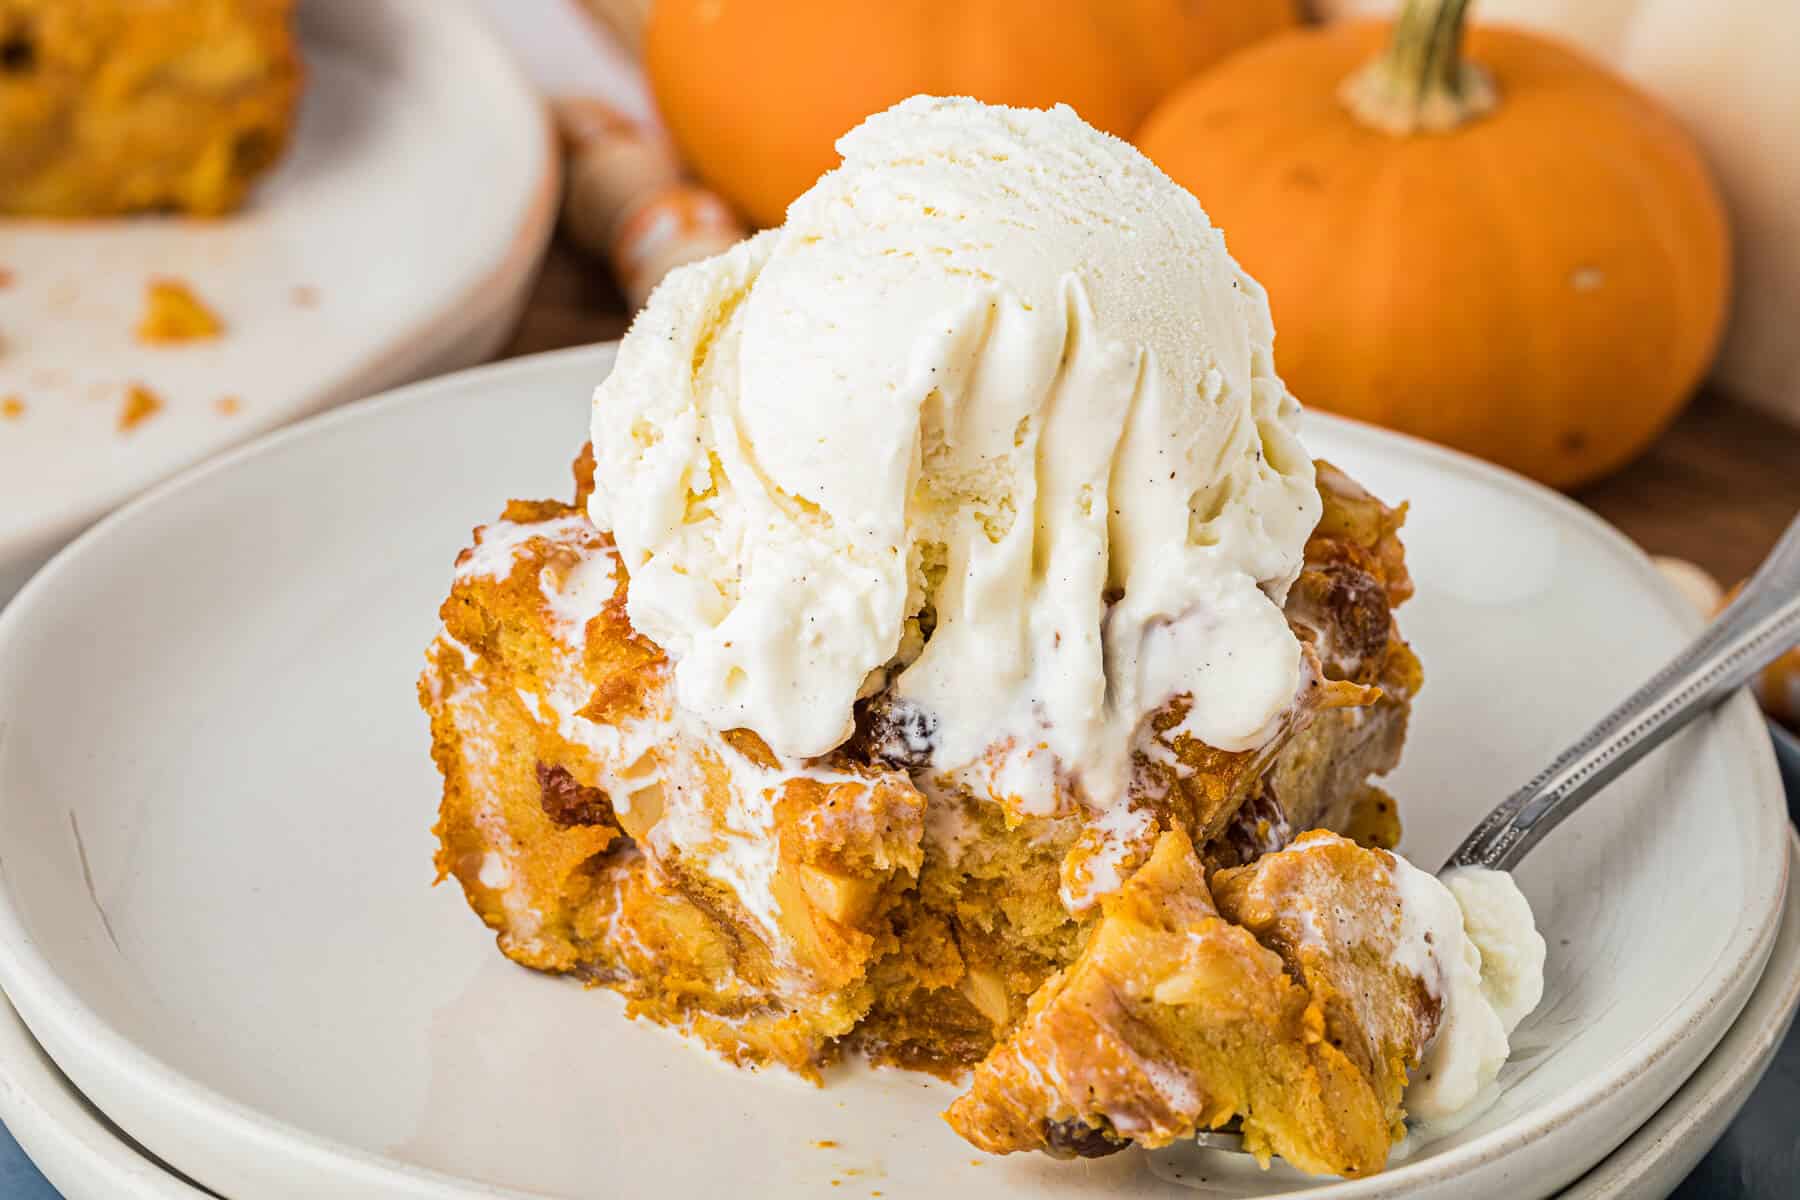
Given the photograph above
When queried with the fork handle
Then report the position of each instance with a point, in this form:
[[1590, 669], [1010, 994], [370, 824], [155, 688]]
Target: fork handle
[[1758, 627]]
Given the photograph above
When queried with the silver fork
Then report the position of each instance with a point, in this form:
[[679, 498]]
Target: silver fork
[[1757, 628]]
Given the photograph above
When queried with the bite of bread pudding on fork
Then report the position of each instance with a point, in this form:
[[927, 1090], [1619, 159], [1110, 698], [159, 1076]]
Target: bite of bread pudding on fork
[[942, 658]]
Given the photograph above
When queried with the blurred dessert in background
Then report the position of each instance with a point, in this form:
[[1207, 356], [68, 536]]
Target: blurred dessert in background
[[120, 106], [948, 637]]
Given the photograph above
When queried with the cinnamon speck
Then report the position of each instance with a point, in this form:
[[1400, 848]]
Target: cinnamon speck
[[304, 296], [140, 405], [11, 408], [837, 1183], [826, 1144], [228, 406], [6, 278]]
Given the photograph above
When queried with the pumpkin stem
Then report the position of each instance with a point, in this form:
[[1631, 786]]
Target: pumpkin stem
[[1421, 83]]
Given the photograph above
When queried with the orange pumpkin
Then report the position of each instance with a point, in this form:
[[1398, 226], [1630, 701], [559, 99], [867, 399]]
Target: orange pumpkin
[[757, 94], [1518, 254], [1778, 687]]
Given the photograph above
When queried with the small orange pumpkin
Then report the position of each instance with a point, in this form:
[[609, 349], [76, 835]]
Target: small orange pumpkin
[[1777, 687], [757, 94], [1519, 254]]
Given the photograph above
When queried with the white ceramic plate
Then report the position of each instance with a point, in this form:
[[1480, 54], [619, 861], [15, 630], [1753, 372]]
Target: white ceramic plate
[[397, 239], [215, 804], [89, 1158]]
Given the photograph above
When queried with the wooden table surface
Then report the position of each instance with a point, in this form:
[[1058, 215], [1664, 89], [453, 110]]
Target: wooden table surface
[[1717, 489]]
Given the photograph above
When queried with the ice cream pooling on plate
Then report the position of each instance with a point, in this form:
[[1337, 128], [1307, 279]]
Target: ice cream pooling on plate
[[996, 380]]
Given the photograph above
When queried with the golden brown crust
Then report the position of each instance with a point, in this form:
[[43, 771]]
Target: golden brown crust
[[1357, 527], [119, 106]]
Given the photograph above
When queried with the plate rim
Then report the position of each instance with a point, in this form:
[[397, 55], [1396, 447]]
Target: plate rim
[[61, 1020], [455, 317]]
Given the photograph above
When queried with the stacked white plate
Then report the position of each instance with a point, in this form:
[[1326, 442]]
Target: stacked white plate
[[216, 918], [398, 239]]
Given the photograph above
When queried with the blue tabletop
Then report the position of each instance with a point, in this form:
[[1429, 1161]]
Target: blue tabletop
[[1759, 1156], [1757, 1159], [19, 1180]]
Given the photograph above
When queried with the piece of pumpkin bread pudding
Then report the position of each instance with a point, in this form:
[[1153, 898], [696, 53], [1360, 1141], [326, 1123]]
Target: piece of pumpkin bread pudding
[[943, 654]]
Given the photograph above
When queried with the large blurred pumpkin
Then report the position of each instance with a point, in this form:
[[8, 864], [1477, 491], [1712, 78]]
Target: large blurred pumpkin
[[1516, 253], [756, 92]]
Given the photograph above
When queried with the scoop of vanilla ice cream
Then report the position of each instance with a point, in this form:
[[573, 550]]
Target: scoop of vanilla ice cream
[[1472, 933], [997, 381]]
